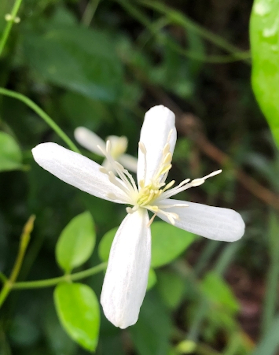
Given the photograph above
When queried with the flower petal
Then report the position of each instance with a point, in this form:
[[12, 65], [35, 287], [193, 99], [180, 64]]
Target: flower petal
[[128, 162], [127, 273], [77, 170], [89, 140], [210, 222], [159, 121], [118, 146]]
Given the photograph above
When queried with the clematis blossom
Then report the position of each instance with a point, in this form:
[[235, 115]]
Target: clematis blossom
[[129, 260], [92, 142]]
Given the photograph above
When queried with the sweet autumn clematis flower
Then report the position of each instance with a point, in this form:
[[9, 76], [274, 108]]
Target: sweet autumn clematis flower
[[118, 145], [129, 260]]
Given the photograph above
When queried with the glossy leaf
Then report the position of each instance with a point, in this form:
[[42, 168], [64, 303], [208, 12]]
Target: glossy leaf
[[152, 279], [78, 311], [10, 153], [76, 242], [171, 287], [151, 334], [168, 242], [92, 67], [105, 244], [264, 38]]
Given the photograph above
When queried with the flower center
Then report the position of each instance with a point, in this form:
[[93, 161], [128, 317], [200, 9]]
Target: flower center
[[147, 195], [152, 195]]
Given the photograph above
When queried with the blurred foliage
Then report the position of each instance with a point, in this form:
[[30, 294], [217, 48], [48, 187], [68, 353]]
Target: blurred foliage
[[102, 64]]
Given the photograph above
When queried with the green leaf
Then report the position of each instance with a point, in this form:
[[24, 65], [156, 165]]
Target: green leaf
[[171, 287], [105, 244], [80, 110], [76, 58], [10, 153], [217, 291], [151, 334], [152, 279], [78, 311], [168, 242], [264, 39], [76, 242]]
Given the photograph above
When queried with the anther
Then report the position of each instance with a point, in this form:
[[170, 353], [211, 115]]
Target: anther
[[166, 149], [142, 148], [111, 196], [169, 185], [103, 170], [108, 146], [197, 182], [167, 158]]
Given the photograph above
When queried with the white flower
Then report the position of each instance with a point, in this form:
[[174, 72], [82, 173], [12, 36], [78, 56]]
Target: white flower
[[91, 141], [127, 272]]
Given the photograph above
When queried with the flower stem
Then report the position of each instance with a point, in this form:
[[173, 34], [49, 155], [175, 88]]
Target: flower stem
[[9, 25], [25, 238], [42, 114], [90, 12], [187, 23], [52, 282], [174, 17]]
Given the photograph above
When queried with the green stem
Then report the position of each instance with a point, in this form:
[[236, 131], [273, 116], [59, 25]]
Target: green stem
[[52, 282], [206, 255], [90, 12], [184, 21], [163, 39], [9, 25], [42, 114], [221, 266], [25, 238]]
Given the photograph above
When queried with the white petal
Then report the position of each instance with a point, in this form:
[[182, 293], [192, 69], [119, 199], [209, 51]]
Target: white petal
[[118, 146], [77, 170], [128, 162], [89, 140], [127, 273], [159, 121], [210, 222]]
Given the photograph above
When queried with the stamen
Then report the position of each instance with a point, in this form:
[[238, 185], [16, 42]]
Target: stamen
[[102, 150], [169, 185], [186, 184], [151, 220], [167, 158], [174, 205], [144, 152], [103, 170], [197, 182], [114, 181], [111, 196], [166, 149], [142, 148], [108, 146], [170, 134]]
